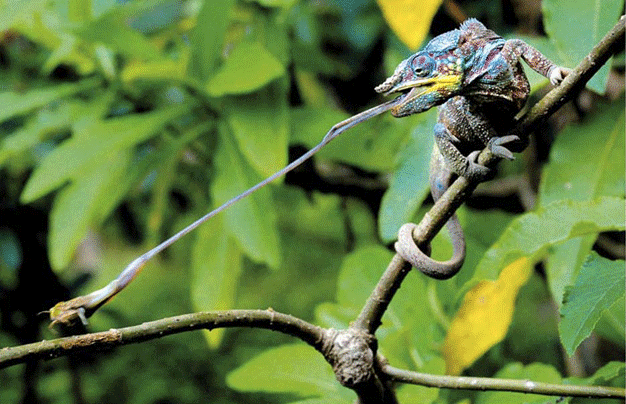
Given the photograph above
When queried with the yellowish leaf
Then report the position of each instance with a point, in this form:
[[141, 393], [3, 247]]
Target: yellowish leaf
[[484, 317], [409, 19]]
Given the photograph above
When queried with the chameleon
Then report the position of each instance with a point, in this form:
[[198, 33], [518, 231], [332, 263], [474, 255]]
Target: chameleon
[[477, 78]]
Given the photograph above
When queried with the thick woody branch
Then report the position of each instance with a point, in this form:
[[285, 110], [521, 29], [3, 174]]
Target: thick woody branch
[[267, 319]]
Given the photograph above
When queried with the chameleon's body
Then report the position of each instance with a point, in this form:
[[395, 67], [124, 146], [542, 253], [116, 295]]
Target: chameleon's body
[[478, 78]]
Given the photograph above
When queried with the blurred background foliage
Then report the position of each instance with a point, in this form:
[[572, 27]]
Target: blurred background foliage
[[123, 121]]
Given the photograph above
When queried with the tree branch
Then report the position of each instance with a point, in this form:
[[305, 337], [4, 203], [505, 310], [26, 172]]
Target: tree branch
[[370, 317], [268, 319], [509, 385]]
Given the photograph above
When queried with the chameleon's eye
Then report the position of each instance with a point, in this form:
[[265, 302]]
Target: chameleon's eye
[[422, 65]]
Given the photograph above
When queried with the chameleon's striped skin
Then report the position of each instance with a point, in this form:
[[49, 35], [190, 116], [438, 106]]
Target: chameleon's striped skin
[[477, 78]]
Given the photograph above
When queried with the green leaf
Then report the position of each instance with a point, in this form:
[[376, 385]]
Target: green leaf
[[260, 123], [537, 372], [409, 184], [296, 369], [533, 233], [586, 160], [208, 36], [249, 67], [79, 205], [251, 221], [111, 29], [574, 41], [598, 286], [91, 145], [16, 103], [216, 264]]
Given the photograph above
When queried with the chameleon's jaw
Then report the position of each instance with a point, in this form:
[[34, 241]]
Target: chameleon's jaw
[[424, 93]]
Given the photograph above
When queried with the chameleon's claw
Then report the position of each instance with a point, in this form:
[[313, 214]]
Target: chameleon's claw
[[496, 147], [474, 171], [558, 74]]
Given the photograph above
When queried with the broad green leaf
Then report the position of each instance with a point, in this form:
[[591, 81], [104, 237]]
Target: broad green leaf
[[80, 204], [216, 265], [91, 145], [296, 369], [598, 286], [409, 184], [249, 67], [574, 41], [409, 19], [586, 160], [260, 124], [112, 30], [484, 317], [208, 36], [251, 221], [531, 234], [16, 103], [535, 372]]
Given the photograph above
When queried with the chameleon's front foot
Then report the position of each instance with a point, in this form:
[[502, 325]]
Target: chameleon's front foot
[[557, 74]]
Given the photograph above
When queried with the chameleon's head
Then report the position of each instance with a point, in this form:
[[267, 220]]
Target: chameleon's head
[[436, 73]]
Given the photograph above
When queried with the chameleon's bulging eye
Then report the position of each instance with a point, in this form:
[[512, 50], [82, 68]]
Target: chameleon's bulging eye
[[422, 65]]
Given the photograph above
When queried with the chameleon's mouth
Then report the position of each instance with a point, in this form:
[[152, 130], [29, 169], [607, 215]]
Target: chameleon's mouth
[[443, 85]]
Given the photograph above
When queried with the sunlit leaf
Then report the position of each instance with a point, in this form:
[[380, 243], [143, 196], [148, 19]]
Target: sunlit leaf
[[260, 124], [484, 317], [82, 152], [20, 103], [599, 285], [409, 19], [574, 41], [208, 36], [252, 221], [297, 369], [216, 264], [249, 67], [79, 204]]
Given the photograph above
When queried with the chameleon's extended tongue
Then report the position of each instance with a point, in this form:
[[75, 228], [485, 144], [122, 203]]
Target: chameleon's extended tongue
[[84, 306]]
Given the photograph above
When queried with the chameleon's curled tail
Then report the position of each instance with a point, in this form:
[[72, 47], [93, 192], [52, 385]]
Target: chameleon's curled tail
[[411, 252]]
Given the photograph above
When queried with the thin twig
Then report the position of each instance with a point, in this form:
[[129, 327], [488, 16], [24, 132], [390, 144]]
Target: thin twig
[[509, 385], [268, 319]]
